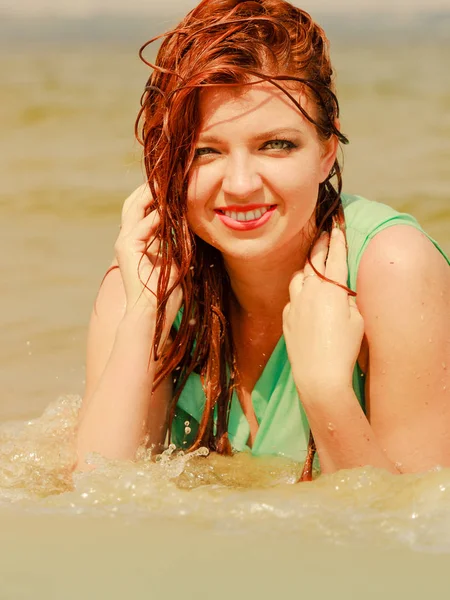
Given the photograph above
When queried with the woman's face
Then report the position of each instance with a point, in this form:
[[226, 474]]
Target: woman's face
[[254, 183]]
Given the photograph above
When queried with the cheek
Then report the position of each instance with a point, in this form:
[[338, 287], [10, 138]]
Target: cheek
[[298, 183], [202, 188], [192, 201], [192, 186], [192, 216], [192, 197], [197, 190], [195, 207]]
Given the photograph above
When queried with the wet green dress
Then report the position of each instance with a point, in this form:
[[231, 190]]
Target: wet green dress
[[283, 426]]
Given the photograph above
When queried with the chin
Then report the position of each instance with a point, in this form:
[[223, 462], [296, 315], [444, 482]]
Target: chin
[[249, 252], [256, 246]]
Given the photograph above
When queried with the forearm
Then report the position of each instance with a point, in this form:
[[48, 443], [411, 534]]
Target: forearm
[[343, 435], [114, 419]]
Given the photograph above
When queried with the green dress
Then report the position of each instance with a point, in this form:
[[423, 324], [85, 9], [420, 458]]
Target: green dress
[[283, 426]]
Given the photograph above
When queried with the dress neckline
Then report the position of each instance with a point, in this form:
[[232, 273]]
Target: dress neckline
[[238, 425]]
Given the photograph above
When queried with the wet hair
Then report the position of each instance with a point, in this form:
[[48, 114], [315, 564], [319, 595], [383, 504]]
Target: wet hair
[[221, 43]]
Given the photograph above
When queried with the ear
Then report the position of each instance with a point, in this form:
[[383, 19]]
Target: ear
[[330, 148]]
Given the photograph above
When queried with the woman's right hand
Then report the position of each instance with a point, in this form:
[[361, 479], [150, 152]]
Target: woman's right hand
[[137, 253]]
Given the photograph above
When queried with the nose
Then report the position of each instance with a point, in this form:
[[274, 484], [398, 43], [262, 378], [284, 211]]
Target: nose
[[241, 178]]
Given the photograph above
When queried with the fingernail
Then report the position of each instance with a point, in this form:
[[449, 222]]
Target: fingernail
[[336, 224]]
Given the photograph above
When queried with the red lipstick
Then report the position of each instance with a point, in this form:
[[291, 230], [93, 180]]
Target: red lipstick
[[245, 225]]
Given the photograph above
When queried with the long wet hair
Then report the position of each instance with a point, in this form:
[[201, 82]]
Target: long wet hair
[[220, 43]]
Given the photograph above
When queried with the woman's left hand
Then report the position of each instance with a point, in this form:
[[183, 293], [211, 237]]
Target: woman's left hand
[[322, 325]]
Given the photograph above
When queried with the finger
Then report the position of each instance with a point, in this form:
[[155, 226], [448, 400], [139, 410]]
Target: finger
[[144, 234], [336, 264], [147, 231], [296, 284], [318, 256], [136, 207], [137, 223], [140, 192], [286, 310], [353, 307], [352, 302], [355, 316]]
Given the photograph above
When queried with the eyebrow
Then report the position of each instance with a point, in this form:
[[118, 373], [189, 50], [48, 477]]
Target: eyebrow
[[266, 135]]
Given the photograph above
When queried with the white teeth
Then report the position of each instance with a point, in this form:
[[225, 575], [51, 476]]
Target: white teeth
[[249, 215]]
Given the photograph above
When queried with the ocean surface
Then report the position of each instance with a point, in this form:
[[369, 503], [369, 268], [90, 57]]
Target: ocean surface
[[191, 526]]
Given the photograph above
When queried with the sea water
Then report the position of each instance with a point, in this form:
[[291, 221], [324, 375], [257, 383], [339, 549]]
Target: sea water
[[187, 526]]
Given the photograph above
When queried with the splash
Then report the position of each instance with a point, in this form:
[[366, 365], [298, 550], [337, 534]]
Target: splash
[[37, 456], [240, 494]]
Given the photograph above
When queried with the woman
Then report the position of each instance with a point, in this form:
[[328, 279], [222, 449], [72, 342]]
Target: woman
[[229, 317]]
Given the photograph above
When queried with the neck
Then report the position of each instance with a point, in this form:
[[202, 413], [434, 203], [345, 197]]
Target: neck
[[261, 287]]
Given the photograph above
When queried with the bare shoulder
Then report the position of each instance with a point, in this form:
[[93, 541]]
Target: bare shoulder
[[111, 299], [107, 312], [404, 297], [401, 246], [402, 269], [110, 302]]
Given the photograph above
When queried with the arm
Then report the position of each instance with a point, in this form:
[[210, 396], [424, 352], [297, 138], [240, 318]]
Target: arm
[[324, 355], [344, 437], [119, 409], [404, 297], [323, 331]]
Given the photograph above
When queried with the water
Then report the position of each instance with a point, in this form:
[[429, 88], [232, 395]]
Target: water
[[190, 526]]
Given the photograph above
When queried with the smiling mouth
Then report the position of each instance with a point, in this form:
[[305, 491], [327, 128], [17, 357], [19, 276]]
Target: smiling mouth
[[247, 215]]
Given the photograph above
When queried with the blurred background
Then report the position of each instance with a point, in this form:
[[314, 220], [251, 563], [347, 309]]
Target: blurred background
[[70, 86]]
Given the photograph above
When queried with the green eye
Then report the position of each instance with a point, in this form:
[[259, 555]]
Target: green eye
[[279, 145], [203, 152]]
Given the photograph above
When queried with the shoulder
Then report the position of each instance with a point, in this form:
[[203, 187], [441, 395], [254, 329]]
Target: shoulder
[[402, 278], [108, 311], [366, 223], [111, 293], [404, 298], [111, 298], [401, 251], [365, 215]]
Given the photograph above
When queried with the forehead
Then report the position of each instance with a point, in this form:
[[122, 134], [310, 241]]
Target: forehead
[[256, 105]]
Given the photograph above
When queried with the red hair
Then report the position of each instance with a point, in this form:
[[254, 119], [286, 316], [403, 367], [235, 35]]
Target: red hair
[[220, 43]]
